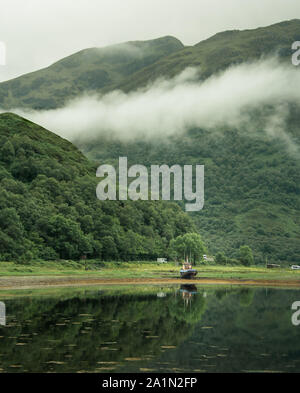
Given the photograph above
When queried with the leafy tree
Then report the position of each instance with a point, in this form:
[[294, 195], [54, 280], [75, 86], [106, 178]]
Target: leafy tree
[[245, 255], [7, 152], [221, 258], [189, 245], [10, 223], [109, 248]]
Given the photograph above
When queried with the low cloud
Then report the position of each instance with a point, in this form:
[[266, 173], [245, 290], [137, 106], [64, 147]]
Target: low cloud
[[173, 106]]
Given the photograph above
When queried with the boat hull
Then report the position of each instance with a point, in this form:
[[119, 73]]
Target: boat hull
[[189, 273]]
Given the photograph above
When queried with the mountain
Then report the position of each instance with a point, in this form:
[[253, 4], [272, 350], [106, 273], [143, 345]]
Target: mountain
[[89, 70], [221, 51], [49, 209], [252, 187], [252, 179], [252, 193], [131, 65]]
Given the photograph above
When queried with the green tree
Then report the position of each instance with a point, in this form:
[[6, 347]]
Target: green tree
[[221, 258], [189, 245], [109, 249], [7, 152], [65, 237], [246, 256]]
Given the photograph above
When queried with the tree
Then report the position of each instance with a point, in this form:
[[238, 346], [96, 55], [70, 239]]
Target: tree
[[189, 245], [7, 152], [109, 248], [221, 258], [11, 224], [65, 237], [246, 256]]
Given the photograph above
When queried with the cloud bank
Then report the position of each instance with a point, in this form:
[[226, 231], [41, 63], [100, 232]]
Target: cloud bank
[[173, 106]]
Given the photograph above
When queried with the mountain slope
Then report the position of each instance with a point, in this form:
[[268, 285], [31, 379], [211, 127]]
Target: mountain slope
[[220, 51], [49, 209], [132, 65], [89, 70], [252, 193], [252, 186]]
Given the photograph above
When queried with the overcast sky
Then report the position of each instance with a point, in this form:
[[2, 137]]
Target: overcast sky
[[39, 32]]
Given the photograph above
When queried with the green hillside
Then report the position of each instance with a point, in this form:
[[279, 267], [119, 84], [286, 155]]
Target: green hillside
[[89, 70], [252, 193], [252, 187], [131, 65], [220, 51], [49, 209]]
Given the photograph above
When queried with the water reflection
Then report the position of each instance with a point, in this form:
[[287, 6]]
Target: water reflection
[[165, 329], [187, 292]]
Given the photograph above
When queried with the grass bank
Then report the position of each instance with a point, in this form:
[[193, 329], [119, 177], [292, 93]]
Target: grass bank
[[94, 268], [123, 270]]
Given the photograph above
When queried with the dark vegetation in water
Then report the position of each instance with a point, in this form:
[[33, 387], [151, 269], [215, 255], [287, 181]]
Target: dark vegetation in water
[[251, 330], [163, 329], [82, 330]]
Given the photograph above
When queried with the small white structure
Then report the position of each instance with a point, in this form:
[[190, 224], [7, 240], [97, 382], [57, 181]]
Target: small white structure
[[162, 260], [208, 258]]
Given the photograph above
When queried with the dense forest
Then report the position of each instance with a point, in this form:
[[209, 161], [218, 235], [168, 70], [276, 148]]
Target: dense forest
[[49, 209], [252, 193]]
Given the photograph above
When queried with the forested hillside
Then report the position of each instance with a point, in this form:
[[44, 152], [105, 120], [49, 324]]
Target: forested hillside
[[49, 209], [221, 51], [252, 193], [252, 176], [131, 65], [88, 71]]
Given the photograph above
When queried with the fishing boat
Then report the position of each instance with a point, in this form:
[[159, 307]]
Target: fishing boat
[[187, 270]]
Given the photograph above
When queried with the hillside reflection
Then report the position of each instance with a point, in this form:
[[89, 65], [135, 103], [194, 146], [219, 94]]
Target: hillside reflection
[[165, 329]]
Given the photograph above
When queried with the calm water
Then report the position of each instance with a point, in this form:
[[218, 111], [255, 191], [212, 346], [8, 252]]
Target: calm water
[[169, 329]]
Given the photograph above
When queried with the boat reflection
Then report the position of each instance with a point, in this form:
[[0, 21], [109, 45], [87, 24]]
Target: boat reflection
[[187, 292]]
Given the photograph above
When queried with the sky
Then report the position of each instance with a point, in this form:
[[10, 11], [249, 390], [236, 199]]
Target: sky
[[37, 33]]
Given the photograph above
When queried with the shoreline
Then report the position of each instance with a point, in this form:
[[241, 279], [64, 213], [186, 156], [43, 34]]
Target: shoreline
[[38, 282]]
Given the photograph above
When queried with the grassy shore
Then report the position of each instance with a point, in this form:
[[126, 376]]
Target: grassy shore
[[123, 270]]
